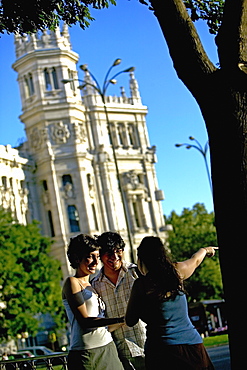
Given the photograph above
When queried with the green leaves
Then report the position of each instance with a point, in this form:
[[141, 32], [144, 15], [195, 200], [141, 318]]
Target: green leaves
[[194, 229], [30, 278], [28, 17], [210, 11]]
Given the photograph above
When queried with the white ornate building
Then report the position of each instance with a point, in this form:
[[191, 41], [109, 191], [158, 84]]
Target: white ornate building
[[65, 174]]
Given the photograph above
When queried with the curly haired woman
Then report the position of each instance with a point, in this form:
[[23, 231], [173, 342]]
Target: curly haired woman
[[91, 345]]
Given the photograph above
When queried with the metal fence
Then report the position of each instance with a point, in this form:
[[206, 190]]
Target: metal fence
[[51, 362]]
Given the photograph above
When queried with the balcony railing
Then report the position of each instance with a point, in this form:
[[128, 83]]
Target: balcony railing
[[51, 362]]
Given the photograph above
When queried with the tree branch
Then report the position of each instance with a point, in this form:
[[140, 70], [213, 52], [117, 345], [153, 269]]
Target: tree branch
[[185, 47], [232, 37]]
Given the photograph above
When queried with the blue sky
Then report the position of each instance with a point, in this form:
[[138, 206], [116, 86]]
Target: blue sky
[[131, 32]]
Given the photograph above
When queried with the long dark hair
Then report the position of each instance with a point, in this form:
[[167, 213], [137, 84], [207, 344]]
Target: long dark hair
[[162, 280]]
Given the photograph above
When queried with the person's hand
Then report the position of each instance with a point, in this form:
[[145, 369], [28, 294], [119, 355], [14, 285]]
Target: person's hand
[[210, 251], [114, 327]]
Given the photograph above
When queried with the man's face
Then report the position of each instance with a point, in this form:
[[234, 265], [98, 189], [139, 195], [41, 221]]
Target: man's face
[[112, 259]]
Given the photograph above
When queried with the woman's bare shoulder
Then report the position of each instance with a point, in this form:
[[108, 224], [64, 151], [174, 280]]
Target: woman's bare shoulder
[[71, 285]]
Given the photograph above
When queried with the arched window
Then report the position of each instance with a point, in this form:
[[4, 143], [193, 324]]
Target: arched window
[[73, 216], [54, 78], [51, 81], [131, 134], [30, 77], [67, 179], [29, 87], [138, 212], [44, 184], [48, 86], [120, 130]]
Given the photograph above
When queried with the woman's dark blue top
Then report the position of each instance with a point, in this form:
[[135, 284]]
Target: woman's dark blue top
[[168, 323]]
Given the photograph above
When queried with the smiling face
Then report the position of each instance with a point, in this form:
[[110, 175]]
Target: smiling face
[[112, 259], [88, 264]]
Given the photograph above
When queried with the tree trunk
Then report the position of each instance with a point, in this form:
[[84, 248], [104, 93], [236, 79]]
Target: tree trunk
[[222, 97], [228, 160]]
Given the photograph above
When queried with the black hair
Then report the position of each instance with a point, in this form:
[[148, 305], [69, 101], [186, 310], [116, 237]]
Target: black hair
[[163, 280], [108, 241], [80, 247]]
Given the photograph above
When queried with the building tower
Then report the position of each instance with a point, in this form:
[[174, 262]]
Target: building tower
[[75, 187]]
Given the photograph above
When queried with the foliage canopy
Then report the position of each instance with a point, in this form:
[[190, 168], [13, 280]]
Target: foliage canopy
[[30, 278], [24, 17], [194, 229]]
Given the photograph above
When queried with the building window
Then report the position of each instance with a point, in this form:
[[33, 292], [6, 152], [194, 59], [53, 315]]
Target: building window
[[51, 81], [44, 184], [54, 78], [73, 219], [4, 182], [29, 87], [95, 217], [30, 78], [71, 77], [68, 186], [131, 135], [137, 213], [120, 130], [52, 232], [48, 86], [67, 179], [113, 135]]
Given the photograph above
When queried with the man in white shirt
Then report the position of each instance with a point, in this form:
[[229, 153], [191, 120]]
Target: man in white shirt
[[114, 283]]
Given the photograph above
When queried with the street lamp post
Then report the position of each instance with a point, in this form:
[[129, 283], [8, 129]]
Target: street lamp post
[[201, 150], [102, 92]]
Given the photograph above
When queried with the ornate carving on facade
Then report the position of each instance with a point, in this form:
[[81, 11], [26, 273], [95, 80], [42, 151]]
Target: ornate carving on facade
[[134, 89], [38, 137], [103, 156], [151, 154], [135, 187], [79, 132], [60, 132], [47, 40], [46, 197], [7, 199], [68, 190], [90, 186], [132, 180]]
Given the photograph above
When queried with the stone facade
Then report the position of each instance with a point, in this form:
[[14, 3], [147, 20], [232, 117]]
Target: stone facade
[[73, 167]]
